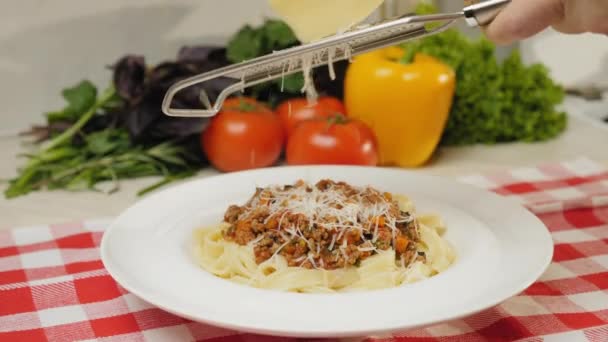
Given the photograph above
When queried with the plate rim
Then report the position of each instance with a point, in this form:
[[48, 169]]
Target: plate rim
[[327, 332]]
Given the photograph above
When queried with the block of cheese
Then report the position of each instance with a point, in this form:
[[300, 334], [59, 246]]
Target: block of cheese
[[315, 19]]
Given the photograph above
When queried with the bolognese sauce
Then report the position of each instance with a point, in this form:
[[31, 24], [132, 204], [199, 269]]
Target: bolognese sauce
[[327, 225]]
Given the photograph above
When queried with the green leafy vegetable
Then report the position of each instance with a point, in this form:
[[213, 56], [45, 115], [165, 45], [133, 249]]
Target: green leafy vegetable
[[246, 44], [83, 117], [79, 98], [251, 42], [494, 102], [107, 141], [529, 99], [273, 35], [76, 160], [121, 132], [85, 167]]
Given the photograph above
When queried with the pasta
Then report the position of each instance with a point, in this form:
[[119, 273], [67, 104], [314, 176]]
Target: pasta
[[382, 268]]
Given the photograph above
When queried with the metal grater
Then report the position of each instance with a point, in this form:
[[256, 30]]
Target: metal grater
[[331, 49]]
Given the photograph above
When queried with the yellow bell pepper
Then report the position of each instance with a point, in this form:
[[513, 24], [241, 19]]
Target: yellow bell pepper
[[407, 105]]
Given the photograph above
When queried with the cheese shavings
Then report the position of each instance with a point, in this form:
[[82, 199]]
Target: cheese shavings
[[304, 223]]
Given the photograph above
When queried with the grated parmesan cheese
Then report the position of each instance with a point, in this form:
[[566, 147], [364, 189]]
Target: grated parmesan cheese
[[343, 211], [309, 84]]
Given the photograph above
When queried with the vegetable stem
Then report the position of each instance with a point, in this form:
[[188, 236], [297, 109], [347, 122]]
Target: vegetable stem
[[76, 127]]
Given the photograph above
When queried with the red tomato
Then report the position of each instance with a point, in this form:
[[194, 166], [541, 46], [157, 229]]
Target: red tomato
[[294, 111], [332, 104], [335, 141], [245, 134]]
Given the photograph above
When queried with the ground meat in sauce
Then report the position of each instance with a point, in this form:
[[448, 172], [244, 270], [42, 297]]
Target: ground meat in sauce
[[232, 214], [321, 245]]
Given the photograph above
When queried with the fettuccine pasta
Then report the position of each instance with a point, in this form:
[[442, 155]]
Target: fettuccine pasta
[[324, 254]]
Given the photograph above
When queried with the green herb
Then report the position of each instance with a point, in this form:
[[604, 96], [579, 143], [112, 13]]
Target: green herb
[[250, 42], [75, 160], [84, 116], [273, 35], [246, 44], [79, 98], [494, 102]]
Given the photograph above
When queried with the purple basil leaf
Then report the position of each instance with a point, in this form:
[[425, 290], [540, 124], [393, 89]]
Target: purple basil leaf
[[195, 54], [144, 119], [129, 77]]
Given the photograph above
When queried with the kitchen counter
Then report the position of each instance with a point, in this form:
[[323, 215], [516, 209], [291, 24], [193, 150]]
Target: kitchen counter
[[584, 138]]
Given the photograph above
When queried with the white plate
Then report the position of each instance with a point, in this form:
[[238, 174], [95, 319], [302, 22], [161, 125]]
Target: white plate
[[502, 249]]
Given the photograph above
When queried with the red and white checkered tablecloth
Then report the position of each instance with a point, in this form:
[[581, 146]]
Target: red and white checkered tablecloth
[[53, 287]]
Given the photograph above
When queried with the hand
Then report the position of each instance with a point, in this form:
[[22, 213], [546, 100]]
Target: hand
[[524, 18]]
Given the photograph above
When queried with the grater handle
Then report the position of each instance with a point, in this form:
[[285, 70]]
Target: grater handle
[[482, 13]]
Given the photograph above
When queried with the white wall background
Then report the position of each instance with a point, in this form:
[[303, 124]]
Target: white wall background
[[573, 59], [46, 45]]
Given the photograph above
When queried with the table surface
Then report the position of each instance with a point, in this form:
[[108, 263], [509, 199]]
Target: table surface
[[584, 138]]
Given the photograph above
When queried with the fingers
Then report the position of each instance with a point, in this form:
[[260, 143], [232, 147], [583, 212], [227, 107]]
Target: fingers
[[524, 18]]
